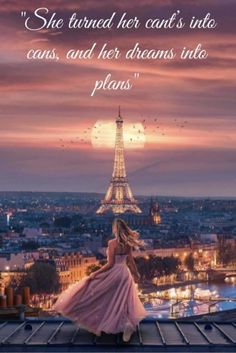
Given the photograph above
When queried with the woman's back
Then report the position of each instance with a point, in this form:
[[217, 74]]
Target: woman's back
[[121, 249]]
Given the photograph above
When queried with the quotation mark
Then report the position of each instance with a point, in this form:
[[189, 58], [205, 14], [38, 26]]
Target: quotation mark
[[136, 75], [23, 13]]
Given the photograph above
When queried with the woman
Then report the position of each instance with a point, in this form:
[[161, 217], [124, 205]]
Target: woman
[[107, 300]]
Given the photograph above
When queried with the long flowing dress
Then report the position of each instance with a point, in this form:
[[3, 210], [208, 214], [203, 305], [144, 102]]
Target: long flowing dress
[[106, 303]]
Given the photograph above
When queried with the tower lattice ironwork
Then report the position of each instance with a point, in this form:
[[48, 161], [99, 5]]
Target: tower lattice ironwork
[[119, 197]]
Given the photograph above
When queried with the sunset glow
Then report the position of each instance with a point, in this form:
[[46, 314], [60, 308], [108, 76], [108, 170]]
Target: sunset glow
[[103, 135]]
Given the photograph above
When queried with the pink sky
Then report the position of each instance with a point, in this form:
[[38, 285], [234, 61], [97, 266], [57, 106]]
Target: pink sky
[[45, 102]]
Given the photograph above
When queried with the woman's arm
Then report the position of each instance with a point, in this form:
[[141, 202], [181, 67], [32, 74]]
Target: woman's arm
[[132, 265], [110, 260]]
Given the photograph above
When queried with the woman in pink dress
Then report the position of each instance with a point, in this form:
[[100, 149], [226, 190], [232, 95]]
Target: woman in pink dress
[[107, 300]]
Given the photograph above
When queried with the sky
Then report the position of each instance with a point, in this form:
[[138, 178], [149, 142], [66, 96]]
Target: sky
[[185, 110]]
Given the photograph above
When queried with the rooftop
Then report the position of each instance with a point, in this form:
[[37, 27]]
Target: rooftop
[[60, 335]]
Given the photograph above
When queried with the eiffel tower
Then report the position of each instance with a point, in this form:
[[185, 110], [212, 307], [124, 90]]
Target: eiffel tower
[[119, 197]]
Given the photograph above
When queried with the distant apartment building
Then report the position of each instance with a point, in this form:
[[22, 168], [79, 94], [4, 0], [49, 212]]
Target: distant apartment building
[[205, 254], [10, 261], [32, 232], [72, 267]]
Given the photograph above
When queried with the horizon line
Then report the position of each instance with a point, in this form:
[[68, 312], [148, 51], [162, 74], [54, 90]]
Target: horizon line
[[137, 195]]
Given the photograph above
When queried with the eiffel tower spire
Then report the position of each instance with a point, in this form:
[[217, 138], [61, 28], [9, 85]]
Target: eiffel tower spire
[[119, 112], [119, 197]]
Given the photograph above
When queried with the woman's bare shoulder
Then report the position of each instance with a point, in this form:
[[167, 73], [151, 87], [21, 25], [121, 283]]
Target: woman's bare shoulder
[[112, 242], [129, 249]]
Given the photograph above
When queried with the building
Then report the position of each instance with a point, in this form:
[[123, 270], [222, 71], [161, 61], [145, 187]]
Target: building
[[154, 212], [72, 267], [60, 335], [12, 261]]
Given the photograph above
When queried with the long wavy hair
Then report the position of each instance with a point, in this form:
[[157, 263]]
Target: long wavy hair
[[125, 235]]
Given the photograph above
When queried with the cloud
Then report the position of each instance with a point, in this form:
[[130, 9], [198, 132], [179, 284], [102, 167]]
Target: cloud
[[43, 101], [14, 5]]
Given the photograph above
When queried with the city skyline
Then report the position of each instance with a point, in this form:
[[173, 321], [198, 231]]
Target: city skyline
[[46, 105]]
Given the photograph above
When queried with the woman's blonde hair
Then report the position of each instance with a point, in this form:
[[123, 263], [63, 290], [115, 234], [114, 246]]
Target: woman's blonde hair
[[125, 235]]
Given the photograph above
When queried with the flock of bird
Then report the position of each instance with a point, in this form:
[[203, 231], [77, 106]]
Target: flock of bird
[[80, 138], [156, 127]]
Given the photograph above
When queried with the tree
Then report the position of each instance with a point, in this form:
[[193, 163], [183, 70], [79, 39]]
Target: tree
[[62, 222], [225, 251], [171, 265], [18, 229], [92, 268], [42, 277], [44, 225], [189, 262], [156, 266], [141, 263], [30, 245]]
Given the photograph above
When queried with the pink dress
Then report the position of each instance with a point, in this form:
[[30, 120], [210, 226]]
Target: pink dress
[[106, 303]]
